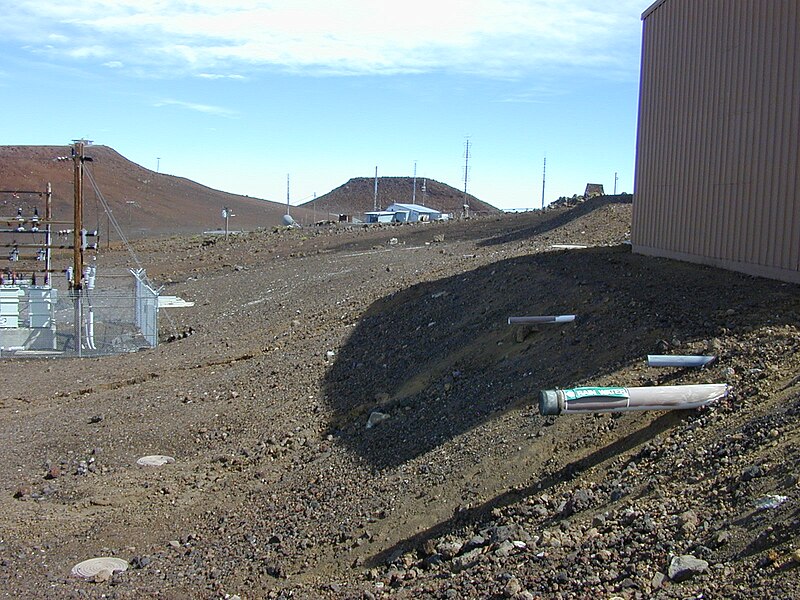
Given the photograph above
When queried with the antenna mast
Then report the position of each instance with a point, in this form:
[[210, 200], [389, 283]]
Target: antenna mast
[[287, 193], [544, 178], [375, 195], [414, 192], [466, 178]]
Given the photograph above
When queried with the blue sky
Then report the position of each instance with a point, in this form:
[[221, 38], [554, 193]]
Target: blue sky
[[238, 94]]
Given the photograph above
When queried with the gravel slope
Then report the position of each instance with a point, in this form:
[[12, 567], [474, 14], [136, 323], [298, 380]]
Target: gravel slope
[[297, 338]]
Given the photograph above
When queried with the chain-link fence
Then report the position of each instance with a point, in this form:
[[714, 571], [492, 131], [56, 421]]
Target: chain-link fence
[[116, 311]]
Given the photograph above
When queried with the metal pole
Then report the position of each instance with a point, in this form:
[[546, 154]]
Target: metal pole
[[466, 177], [544, 178], [375, 195], [48, 215], [414, 192]]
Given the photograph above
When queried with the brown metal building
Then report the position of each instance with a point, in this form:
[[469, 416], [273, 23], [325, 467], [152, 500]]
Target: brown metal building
[[717, 161]]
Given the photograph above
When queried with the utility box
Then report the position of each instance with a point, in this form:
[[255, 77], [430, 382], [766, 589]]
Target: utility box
[[9, 307], [41, 301]]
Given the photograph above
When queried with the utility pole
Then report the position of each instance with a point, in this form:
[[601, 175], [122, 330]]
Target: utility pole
[[616, 178], [79, 235], [77, 245], [130, 204], [287, 193]]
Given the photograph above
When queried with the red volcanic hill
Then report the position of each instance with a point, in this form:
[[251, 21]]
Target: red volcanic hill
[[357, 196], [144, 203]]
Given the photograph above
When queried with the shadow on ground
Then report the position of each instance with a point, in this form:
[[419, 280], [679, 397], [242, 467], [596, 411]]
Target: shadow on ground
[[439, 358]]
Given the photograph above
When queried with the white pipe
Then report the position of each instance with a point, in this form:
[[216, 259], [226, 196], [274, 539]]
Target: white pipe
[[90, 324], [668, 360], [621, 399], [90, 329], [538, 320]]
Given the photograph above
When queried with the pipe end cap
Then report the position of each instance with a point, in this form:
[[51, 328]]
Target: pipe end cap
[[548, 403]]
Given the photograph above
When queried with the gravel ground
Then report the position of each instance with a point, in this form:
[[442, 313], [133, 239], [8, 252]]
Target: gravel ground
[[352, 417]]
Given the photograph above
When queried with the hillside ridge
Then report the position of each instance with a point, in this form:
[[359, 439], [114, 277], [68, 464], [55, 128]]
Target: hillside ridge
[[357, 196]]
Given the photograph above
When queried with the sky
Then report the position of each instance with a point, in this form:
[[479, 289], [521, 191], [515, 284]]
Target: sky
[[241, 94]]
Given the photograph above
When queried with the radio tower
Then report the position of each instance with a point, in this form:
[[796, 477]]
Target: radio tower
[[466, 178], [414, 193], [544, 178], [375, 195]]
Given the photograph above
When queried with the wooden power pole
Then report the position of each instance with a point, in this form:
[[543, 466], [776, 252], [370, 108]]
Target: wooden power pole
[[77, 246]]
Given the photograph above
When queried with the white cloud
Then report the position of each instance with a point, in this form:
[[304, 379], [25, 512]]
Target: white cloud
[[535, 96], [218, 76], [203, 108], [96, 51], [492, 37]]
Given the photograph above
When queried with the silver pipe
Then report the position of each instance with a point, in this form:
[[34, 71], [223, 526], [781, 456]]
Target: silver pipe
[[668, 360], [621, 399], [537, 320]]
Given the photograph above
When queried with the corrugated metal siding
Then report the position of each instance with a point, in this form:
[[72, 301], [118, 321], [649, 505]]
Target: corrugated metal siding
[[717, 172]]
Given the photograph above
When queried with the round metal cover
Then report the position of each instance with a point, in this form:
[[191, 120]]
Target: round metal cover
[[91, 567], [154, 460]]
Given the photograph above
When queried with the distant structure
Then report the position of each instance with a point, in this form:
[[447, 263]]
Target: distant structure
[[358, 196], [717, 149], [405, 213], [379, 216], [593, 189]]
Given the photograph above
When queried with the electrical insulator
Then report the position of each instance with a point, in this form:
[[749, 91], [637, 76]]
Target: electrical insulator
[[83, 239], [89, 274]]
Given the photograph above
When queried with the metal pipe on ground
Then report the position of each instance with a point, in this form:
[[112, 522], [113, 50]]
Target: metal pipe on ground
[[622, 399], [670, 360], [539, 320]]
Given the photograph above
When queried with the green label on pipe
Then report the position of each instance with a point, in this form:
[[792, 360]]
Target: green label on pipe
[[587, 392]]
